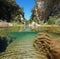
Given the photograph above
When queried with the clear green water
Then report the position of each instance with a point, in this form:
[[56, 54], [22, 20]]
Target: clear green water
[[22, 47], [22, 34]]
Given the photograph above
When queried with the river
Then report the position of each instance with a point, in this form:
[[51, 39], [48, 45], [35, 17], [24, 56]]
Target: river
[[22, 47]]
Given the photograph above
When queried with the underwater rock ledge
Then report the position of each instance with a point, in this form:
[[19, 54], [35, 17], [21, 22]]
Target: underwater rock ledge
[[49, 47], [4, 42]]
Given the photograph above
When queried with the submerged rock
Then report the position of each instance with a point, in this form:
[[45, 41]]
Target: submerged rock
[[3, 44], [49, 47]]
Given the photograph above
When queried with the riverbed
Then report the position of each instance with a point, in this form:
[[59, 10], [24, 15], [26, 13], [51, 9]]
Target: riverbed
[[22, 46]]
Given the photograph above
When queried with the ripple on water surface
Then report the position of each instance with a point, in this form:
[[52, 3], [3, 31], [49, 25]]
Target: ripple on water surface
[[22, 47]]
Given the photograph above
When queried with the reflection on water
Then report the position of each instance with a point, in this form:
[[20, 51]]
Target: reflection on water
[[22, 46], [27, 29], [31, 29]]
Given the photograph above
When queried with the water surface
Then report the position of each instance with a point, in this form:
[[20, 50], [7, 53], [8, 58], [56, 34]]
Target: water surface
[[22, 46]]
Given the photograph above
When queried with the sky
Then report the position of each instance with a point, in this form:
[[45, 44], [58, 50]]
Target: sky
[[27, 5]]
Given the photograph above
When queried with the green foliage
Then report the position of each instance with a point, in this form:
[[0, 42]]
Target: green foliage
[[42, 22], [9, 10], [58, 20], [51, 20], [54, 19], [3, 31], [58, 23]]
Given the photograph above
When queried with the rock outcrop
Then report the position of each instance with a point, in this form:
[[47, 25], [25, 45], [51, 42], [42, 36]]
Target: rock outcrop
[[10, 11], [45, 8], [49, 47]]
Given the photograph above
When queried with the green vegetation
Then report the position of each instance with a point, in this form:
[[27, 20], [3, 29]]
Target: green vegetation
[[48, 21], [4, 31], [50, 29], [54, 20], [51, 21], [10, 11]]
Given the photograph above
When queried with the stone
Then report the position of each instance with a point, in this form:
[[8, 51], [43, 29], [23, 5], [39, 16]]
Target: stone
[[49, 46], [45, 8]]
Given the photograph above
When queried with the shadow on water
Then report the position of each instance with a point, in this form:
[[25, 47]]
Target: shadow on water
[[4, 42]]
